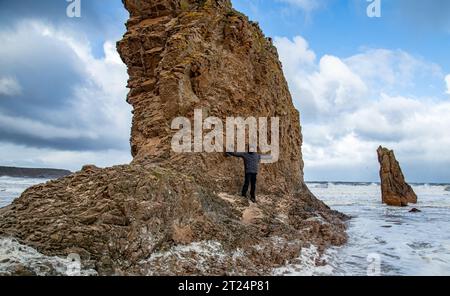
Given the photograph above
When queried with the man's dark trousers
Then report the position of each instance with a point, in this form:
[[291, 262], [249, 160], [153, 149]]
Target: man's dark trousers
[[250, 178]]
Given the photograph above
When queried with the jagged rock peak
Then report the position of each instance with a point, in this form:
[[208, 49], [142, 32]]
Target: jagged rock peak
[[394, 189], [158, 8]]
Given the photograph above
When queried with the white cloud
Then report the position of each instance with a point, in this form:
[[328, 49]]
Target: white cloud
[[394, 71], [447, 81], [9, 86], [329, 86], [384, 65], [306, 5], [351, 106], [297, 53], [94, 111], [26, 126], [334, 86], [72, 160]]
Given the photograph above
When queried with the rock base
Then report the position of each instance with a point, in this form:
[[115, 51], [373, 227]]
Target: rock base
[[135, 219]]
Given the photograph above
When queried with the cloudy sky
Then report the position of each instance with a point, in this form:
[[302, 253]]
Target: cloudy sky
[[358, 82]]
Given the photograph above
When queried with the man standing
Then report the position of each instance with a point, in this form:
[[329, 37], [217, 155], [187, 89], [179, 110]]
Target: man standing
[[251, 164]]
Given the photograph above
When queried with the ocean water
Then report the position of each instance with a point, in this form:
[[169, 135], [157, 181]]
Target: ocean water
[[387, 240], [382, 240], [15, 256], [11, 188]]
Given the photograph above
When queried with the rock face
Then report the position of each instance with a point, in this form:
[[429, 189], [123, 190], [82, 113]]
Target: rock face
[[394, 189], [186, 55], [169, 213]]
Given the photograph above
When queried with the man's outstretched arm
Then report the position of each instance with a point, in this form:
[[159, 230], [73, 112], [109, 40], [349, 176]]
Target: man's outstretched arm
[[236, 154]]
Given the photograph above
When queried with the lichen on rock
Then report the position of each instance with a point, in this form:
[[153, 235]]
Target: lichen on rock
[[181, 56]]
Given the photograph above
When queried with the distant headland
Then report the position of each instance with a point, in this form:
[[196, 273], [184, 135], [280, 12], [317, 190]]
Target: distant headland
[[32, 172]]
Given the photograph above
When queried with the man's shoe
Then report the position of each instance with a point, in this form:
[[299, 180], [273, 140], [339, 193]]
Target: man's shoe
[[252, 199]]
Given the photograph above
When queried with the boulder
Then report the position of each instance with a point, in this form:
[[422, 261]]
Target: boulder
[[394, 189]]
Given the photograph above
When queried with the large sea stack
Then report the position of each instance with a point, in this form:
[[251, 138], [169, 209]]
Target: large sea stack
[[394, 189], [168, 213]]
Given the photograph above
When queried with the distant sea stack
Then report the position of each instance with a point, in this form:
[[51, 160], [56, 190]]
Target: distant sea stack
[[178, 214], [394, 189], [33, 172]]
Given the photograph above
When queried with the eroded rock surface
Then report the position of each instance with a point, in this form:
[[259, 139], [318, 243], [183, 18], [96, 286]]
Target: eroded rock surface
[[187, 55], [394, 189], [169, 213]]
